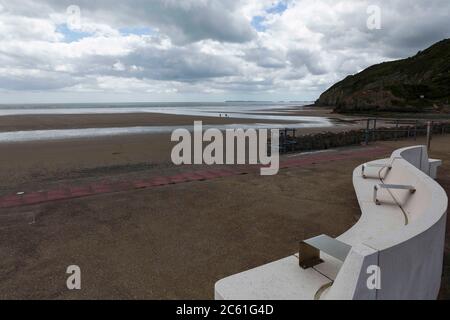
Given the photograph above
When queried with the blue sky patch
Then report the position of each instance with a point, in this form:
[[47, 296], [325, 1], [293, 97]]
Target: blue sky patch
[[71, 35], [258, 23], [278, 8]]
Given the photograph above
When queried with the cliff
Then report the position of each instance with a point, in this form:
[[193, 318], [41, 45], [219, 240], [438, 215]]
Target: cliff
[[417, 84]]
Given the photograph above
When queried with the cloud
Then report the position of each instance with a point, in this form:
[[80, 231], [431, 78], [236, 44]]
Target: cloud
[[288, 49], [183, 21], [21, 79], [179, 63]]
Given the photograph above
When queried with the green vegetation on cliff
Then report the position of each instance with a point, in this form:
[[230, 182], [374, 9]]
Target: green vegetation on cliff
[[417, 84]]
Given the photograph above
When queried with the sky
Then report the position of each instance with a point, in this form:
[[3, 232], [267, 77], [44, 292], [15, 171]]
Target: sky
[[202, 50]]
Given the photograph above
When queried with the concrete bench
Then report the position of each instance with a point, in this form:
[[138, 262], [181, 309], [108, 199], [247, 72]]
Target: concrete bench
[[402, 234]]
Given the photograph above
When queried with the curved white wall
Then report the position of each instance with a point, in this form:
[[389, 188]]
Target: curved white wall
[[410, 256], [404, 236]]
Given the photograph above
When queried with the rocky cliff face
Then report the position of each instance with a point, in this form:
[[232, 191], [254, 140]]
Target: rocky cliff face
[[417, 84]]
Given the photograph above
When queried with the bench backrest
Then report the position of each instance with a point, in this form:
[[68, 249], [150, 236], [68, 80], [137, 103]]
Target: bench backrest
[[417, 156]]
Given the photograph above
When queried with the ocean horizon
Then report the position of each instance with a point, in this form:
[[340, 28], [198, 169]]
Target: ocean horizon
[[176, 108]]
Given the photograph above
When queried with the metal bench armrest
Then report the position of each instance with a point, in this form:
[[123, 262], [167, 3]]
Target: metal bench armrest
[[411, 189], [374, 165], [310, 250]]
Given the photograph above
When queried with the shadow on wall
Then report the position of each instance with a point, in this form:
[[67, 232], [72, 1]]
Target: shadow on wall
[[445, 287]]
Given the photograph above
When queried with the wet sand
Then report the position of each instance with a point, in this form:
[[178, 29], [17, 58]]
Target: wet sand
[[29, 164], [79, 121], [50, 122]]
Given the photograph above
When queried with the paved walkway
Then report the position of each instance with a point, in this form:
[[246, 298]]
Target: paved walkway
[[104, 187]]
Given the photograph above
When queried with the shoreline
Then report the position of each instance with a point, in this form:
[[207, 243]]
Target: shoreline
[[30, 162], [108, 120], [84, 121]]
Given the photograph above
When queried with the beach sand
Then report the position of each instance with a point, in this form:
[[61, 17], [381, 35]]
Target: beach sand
[[49, 122], [172, 242], [176, 241], [30, 164], [65, 121]]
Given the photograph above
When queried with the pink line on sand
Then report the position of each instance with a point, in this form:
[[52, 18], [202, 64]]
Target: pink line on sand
[[106, 187]]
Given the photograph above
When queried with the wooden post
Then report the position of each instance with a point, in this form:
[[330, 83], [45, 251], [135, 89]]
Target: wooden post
[[396, 129], [367, 132], [375, 129], [415, 131], [429, 134]]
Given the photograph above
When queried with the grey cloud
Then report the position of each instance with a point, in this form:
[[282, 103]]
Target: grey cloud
[[266, 58], [244, 85], [40, 82], [344, 48], [177, 64], [307, 58], [180, 64], [406, 27], [183, 21]]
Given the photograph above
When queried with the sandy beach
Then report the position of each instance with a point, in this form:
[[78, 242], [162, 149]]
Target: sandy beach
[[49, 122], [30, 164], [172, 242]]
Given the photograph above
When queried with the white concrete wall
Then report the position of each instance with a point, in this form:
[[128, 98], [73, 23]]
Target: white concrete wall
[[410, 256], [404, 237], [411, 259], [408, 245], [351, 282]]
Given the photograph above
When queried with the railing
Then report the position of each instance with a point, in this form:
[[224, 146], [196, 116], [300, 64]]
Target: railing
[[401, 128], [370, 130]]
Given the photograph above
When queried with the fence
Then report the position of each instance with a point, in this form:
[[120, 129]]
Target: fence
[[292, 141]]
